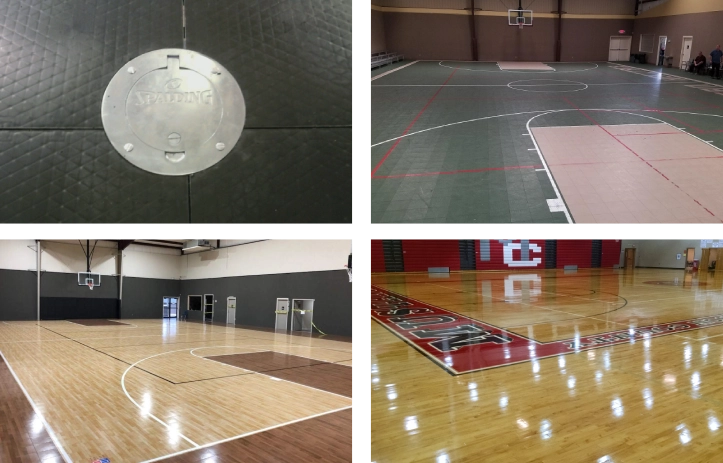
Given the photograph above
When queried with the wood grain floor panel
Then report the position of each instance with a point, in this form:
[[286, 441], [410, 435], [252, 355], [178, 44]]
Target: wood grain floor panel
[[324, 439], [76, 384]]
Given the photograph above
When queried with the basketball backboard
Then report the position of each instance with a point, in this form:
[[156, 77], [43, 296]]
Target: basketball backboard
[[519, 18], [88, 279]]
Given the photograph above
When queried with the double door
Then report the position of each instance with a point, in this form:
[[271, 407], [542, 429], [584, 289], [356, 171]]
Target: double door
[[619, 48], [170, 307]]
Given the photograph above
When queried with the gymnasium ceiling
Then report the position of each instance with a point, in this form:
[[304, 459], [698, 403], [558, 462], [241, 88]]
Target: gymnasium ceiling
[[606, 7]]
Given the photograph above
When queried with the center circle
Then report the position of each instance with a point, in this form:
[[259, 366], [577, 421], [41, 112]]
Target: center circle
[[547, 86], [174, 110]]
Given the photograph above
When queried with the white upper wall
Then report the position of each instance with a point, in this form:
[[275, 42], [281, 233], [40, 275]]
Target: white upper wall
[[267, 257], [17, 255], [151, 262], [69, 257]]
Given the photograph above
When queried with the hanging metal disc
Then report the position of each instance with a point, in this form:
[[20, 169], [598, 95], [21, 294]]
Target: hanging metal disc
[[173, 112]]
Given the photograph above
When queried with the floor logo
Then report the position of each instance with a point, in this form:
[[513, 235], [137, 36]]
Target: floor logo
[[101, 460], [460, 344]]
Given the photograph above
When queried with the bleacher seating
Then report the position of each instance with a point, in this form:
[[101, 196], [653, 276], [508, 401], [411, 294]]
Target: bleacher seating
[[383, 58]]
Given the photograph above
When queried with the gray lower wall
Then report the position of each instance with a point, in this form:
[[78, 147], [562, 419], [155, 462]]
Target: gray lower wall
[[54, 284], [256, 298], [143, 297], [18, 295], [659, 253]]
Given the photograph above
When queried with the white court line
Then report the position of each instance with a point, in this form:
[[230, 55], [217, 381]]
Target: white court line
[[125, 391], [240, 436], [548, 111], [379, 76], [49, 430], [269, 376]]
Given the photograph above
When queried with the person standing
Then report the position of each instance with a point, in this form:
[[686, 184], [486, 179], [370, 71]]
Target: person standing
[[715, 56], [661, 56]]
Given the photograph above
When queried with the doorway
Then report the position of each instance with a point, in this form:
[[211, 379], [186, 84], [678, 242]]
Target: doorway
[[170, 307], [689, 257], [619, 48], [662, 45], [685, 51], [207, 308], [629, 258]]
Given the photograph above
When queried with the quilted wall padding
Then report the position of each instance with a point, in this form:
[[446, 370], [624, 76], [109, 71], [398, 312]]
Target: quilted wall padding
[[292, 58], [419, 255], [490, 254], [376, 255], [611, 252], [76, 176], [574, 252], [58, 56]]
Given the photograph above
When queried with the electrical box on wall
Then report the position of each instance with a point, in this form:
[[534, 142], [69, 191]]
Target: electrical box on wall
[[231, 310]]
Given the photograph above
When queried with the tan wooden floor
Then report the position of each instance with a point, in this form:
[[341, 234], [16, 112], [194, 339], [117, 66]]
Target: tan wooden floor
[[660, 400], [85, 380]]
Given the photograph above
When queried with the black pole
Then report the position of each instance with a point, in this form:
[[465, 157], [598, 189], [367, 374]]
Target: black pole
[[558, 48], [473, 29], [87, 254]]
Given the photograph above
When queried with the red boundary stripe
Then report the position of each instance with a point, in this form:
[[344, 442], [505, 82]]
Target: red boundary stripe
[[460, 344], [414, 121], [464, 171]]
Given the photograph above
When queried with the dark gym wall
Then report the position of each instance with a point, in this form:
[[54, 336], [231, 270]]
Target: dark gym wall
[[55, 284], [143, 297], [18, 295], [256, 297], [61, 297]]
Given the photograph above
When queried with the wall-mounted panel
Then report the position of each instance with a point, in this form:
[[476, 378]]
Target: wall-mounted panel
[[420, 255], [574, 252], [510, 254], [18, 295], [610, 253], [377, 256]]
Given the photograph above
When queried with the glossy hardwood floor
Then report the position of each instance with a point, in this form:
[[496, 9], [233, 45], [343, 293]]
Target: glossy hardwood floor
[[145, 390], [656, 395]]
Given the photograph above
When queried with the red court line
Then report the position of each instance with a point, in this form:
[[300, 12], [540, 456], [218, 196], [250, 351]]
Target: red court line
[[647, 134], [464, 171], [636, 154], [686, 159], [414, 121]]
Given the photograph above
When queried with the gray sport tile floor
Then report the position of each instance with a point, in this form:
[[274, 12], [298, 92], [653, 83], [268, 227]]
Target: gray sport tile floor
[[451, 140]]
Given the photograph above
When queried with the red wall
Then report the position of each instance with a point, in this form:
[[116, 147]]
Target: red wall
[[378, 256], [419, 255], [574, 252], [497, 261], [610, 253]]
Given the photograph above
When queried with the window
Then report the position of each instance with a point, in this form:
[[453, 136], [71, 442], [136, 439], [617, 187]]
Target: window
[[647, 43]]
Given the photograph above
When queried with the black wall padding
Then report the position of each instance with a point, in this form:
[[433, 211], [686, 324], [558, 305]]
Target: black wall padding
[[596, 261], [393, 255], [467, 259], [68, 308], [551, 254]]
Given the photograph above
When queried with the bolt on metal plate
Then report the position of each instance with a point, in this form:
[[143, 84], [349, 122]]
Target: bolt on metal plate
[[173, 112]]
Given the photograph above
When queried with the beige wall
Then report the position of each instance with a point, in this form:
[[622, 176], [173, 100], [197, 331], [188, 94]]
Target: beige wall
[[447, 37], [428, 36], [379, 41], [706, 29], [679, 7], [659, 253]]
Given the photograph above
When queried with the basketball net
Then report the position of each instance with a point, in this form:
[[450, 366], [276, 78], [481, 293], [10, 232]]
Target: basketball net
[[522, 25], [348, 271], [90, 285]]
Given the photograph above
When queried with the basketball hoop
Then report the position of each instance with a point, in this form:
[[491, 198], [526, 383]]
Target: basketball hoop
[[522, 25], [89, 282]]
